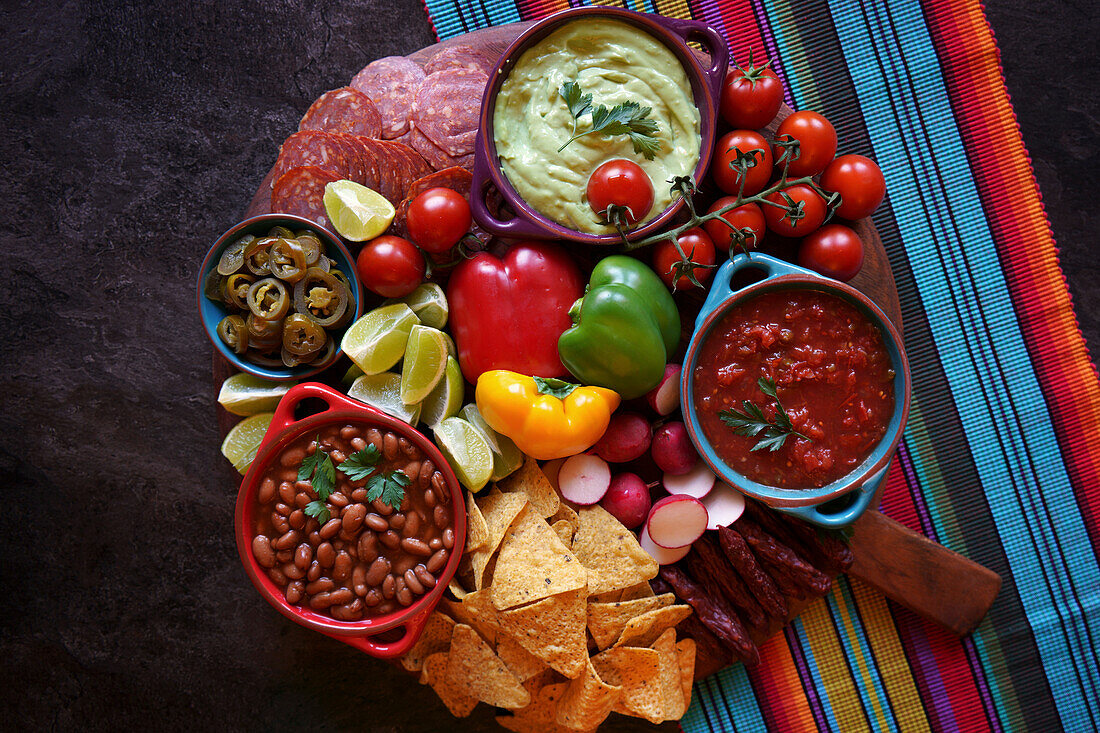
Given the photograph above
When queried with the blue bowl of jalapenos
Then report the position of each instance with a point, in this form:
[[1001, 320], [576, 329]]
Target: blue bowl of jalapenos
[[276, 293]]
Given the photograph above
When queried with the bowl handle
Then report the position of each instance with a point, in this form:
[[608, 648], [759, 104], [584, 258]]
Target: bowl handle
[[721, 289], [515, 228], [414, 627], [714, 45], [284, 412], [823, 515]]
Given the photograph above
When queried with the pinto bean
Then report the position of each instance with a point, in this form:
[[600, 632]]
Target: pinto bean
[[408, 448], [267, 491], [373, 597], [297, 519], [439, 486], [358, 443], [261, 550], [303, 556], [302, 499], [341, 567], [359, 495], [320, 586], [359, 580], [288, 540], [276, 576], [424, 576], [283, 509], [449, 538], [293, 572], [376, 522], [424, 477], [412, 525], [378, 571], [374, 437], [413, 582], [279, 523], [390, 539], [382, 507], [415, 546], [442, 517], [389, 587], [330, 528], [342, 596], [326, 554], [390, 448], [295, 591], [368, 546], [438, 561], [336, 498], [397, 521], [315, 571], [321, 601], [436, 544], [353, 517]]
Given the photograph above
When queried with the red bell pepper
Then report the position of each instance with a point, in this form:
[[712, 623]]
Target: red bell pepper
[[508, 313]]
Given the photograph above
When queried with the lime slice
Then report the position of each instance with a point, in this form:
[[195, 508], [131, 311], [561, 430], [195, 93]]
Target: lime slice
[[383, 392], [425, 362], [507, 457], [353, 373], [244, 440], [428, 303], [245, 394], [446, 398], [451, 350], [466, 449], [356, 212], [377, 340]]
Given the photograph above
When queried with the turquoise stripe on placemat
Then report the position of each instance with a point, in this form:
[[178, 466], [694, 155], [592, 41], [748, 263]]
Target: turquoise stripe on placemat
[[454, 18], [724, 702], [892, 61], [861, 660]]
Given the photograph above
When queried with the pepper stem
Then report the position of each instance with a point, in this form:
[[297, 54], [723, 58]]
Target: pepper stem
[[554, 387]]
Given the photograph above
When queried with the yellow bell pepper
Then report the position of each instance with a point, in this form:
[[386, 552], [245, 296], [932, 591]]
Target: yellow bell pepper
[[546, 418]]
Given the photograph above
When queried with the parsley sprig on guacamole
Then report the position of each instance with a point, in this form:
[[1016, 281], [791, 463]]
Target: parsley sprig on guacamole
[[627, 118]]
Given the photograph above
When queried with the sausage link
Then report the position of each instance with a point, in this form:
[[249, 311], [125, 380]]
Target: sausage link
[[261, 550]]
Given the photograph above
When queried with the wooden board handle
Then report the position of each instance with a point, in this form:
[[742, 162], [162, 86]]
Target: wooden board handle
[[925, 577]]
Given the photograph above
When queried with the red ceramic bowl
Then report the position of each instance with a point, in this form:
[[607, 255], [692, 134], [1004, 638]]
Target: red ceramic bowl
[[284, 430], [706, 79]]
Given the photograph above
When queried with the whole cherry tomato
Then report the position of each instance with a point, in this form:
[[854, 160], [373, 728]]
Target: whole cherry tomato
[[751, 96], [834, 250], [699, 248], [859, 182], [817, 142], [623, 184], [811, 211], [746, 216], [437, 219], [725, 153], [390, 266]]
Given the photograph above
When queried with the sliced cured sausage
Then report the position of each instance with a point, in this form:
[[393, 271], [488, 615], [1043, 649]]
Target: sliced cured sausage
[[392, 84], [448, 107], [301, 191], [345, 110], [435, 156], [324, 150], [461, 56]]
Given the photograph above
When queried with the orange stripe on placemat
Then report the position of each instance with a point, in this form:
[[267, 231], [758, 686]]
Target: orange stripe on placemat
[[779, 688]]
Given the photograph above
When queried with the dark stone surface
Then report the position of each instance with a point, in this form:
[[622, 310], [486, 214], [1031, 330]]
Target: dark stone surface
[[133, 134]]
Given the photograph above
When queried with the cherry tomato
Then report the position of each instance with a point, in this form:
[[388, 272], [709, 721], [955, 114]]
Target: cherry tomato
[[817, 142], [746, 216], [390, 266], [751, 97], [699, 248], [620, 182], [813, 210], [834, 250], [859, 182], [437, 219], [726, 152]]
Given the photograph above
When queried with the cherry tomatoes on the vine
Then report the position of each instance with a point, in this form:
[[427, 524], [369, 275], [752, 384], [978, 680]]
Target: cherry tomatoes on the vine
[[859, 182], [726, 152], [810, 211], [750, 96], [834, 250], [390, 266], [620, 183], [816, 142], [747, 216], [698, 247], [437, 219]]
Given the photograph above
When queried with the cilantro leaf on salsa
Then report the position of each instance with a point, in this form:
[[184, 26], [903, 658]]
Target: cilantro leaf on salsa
[[752, 422]]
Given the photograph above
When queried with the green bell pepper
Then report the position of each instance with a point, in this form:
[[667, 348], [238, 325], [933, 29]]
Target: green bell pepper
[[637, 276], [615, 341]]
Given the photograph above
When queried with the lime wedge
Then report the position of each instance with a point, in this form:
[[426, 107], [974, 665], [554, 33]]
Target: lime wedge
[[425, 362], [507, 457], [353, 373], [428, 303], [377, 340], [383, 392], [357, 212], [242, 442], [245, 394], [466, 449], [451, 350], [446, 398]]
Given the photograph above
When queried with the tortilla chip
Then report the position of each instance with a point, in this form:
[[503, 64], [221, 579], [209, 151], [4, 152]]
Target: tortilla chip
[[685, 654], [564, 530], [468, 612], [533, 563], [436, 637], [456, 589], [477, 531], [641, 590], [475, 669], [552, 629], [669, 682], [544, 704], [499, 510], [567, 513], [530, 480], [610, 552], [522, 663], [587, 700], [434, 673], [637, 671], [606, 621], [643, 630]]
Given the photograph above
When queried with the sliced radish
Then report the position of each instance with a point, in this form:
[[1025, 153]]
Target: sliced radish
[[663, 555], [551, 468], [724, 505], [676, 521], [697, 482], [665, 397], [584, 479]]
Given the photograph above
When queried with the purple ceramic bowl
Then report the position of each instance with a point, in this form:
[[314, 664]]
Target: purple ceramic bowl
[[706, 86]]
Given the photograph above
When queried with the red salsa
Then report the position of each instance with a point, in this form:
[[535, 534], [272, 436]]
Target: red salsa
[[833, 377]]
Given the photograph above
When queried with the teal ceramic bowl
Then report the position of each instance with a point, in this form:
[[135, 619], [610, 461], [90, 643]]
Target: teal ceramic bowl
[[212, 313], [841, 502]]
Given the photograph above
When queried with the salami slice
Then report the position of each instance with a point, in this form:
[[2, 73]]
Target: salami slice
[[447, 109], [435, 156], [314, 148], [461, 56], [300, 191], [345, 110], [391, 83], [396, 166]]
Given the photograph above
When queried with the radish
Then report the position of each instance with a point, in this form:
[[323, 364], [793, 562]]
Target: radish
[[663, 555], [724, 505], [672, 449], [665, 397], [627, 499], [627, 437], [676, 521], [584, 478], [697, 482], [551, 468]]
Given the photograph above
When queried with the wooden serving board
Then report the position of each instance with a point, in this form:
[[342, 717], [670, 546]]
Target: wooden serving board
[[927, 578]]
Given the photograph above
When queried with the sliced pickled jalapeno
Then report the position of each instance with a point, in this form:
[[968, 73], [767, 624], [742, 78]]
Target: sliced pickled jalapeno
[[302, 335], [234, 333], [286, 260], [232, 258], [236, 289], [311, 246], [214, 287], [268, 299], [280, 232], [256, 256], [321, 295], [327, 352]]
